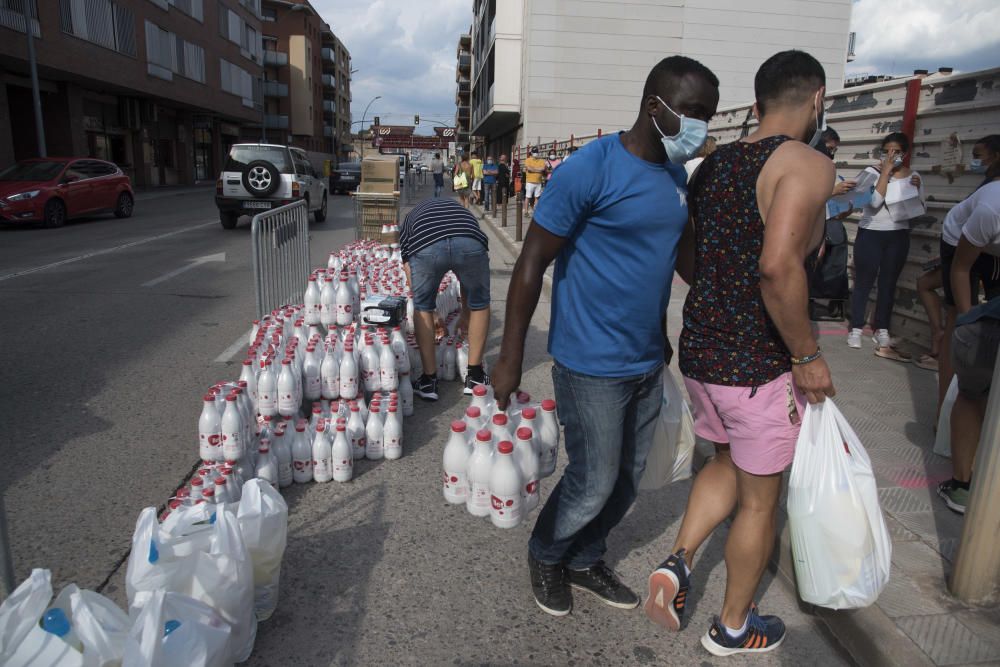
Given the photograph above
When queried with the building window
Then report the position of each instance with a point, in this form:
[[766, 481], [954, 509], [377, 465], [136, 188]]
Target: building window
[[12, 15], [237, 81], [192, 65], [101, 22], [192, 8], [270, 14], [161, 52]]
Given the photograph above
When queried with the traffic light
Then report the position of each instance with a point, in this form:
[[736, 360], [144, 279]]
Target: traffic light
[[376, 121], [416, 119]]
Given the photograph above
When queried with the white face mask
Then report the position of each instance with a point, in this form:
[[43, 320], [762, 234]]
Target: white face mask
[[689, 139]]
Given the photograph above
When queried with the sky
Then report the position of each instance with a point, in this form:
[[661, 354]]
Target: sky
[[405, 50]]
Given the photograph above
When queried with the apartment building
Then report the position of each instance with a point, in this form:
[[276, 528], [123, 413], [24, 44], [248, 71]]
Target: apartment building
[[463, 82], [160, 87], [307, 74], [548, 69]]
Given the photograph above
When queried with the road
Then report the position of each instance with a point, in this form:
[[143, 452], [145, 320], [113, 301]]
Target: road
[[103, 385]]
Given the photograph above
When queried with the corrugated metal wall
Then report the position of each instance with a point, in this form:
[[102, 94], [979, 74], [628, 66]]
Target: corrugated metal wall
[[962, 107]]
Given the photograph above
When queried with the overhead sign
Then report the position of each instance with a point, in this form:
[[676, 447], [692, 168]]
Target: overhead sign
[[411, 141]]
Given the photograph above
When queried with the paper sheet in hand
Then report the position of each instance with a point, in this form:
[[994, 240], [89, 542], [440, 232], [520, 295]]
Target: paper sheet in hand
[[902, 198], [857, 198]]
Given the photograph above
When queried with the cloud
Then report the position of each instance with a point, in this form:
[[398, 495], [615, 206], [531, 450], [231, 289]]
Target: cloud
[[404, 51], [899, 36]]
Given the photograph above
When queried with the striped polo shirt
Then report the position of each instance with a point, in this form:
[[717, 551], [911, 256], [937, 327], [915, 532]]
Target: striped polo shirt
[[433, 220]]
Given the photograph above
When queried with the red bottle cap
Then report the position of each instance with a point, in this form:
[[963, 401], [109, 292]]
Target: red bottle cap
[[548, 405], [458, 427], [528, 413], [484, 436], [505, 447], [524, 433], [500, 419]]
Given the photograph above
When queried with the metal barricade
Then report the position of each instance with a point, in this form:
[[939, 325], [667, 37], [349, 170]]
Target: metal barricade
[[7, 583], [373, 211], [280, 250]]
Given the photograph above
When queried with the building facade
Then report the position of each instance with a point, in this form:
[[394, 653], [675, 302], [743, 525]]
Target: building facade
[[160, 87], [306, 80], [463, 91], [548, 69]]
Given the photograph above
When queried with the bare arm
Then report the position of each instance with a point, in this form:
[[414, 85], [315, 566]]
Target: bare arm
[[540, 249], [792, 225], [961, 267]]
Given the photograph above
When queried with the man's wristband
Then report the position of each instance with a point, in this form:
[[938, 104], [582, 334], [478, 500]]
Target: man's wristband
[[800, 361]]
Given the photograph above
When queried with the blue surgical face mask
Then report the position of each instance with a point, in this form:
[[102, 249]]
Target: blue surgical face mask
[[976, 166], [687, 142]]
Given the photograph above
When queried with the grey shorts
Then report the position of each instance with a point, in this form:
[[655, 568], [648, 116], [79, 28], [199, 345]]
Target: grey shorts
[[973, 354], [464, 255]]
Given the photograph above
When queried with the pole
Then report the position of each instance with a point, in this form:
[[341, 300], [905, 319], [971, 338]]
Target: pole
[[976, 577], [503, 218], [6, 561], [263, 109], [517, 223], [36, 96]]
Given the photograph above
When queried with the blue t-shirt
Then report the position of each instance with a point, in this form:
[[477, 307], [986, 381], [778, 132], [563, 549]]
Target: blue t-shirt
[[490, 174], [622, 218]]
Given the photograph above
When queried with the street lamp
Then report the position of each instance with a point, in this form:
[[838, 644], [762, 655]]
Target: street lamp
[[365, 113]]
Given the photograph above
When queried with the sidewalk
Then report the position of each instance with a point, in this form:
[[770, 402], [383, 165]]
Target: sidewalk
[[892, 408]]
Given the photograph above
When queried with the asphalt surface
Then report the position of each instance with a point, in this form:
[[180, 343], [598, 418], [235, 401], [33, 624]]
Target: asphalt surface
[[103, 386]]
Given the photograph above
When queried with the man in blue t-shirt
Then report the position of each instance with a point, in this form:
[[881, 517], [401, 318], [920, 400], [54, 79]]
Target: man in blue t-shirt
[[490, 171], [611, 218]]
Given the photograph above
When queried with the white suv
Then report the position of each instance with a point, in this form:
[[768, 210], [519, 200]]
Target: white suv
[[258, 177]]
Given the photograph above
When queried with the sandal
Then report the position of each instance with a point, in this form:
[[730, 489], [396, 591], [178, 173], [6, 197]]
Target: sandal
[[894, 354], [927, 361]]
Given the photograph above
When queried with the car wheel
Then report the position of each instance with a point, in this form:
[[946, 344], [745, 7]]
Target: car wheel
[[55, 213], [261, 178], [123, 208], [228, 219], [320, 214]]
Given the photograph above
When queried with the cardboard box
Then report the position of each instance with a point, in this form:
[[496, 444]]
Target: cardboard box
[[379, 174]]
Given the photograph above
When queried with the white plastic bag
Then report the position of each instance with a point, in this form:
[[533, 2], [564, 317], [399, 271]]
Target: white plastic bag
[[210, 564], [942, 439], [840, 544], [670, 456], [173, 630], [263, 519], [101, 627], [96, 627]]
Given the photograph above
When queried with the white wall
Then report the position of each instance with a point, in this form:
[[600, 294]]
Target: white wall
[[584, 62]]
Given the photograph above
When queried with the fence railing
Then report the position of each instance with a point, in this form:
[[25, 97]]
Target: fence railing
[[280, 249]]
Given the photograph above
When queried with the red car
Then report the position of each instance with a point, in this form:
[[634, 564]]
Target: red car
[[53, 190]]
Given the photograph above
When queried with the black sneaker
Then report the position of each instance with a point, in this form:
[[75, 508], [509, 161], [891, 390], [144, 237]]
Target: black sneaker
[[548, 583], [470, 384], [426, 388], [602, 581], [763, 634], [668, 587]]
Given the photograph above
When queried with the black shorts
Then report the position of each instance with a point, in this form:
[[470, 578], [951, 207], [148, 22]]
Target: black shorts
[[985, 272]]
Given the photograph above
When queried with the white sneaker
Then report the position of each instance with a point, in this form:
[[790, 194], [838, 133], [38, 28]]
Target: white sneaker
[[881, 338], [854, 339]]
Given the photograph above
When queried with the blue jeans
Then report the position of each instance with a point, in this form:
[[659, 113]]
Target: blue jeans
[[466, 256], [488, 195], [609, 424], [438, 184]]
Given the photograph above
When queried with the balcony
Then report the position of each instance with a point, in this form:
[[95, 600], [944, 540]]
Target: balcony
[[465, 62], [328, 56], [329, 106], [276, 122], [275, 58], [329, 81], [328, 132], [275, 89], [463, 87]]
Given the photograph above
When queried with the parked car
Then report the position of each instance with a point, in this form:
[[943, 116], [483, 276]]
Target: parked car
[[346, 177], [53, 190], [259, 177]]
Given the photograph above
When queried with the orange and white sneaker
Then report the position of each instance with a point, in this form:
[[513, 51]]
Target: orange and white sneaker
[[763, 634], [668, 587]]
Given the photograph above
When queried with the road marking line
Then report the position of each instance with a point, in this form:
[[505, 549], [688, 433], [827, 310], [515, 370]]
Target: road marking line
[[198, 261], [103, 252], [231, 351]]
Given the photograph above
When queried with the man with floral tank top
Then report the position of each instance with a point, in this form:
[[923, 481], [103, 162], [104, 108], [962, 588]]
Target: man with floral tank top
[[747, 352]]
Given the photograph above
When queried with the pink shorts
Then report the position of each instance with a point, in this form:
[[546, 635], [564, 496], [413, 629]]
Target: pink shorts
[[761, 430]]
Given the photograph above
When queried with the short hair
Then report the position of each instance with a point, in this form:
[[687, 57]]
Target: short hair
[[475, 154], [899, 138], [830, 134], [788, 77], [672, 69], [991, 142]]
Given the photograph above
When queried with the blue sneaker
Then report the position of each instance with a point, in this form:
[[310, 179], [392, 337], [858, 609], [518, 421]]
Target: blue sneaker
[[668, 587], [763, 634]]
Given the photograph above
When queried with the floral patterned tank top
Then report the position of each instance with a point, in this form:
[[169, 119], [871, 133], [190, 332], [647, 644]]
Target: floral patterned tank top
[[728, 337]]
